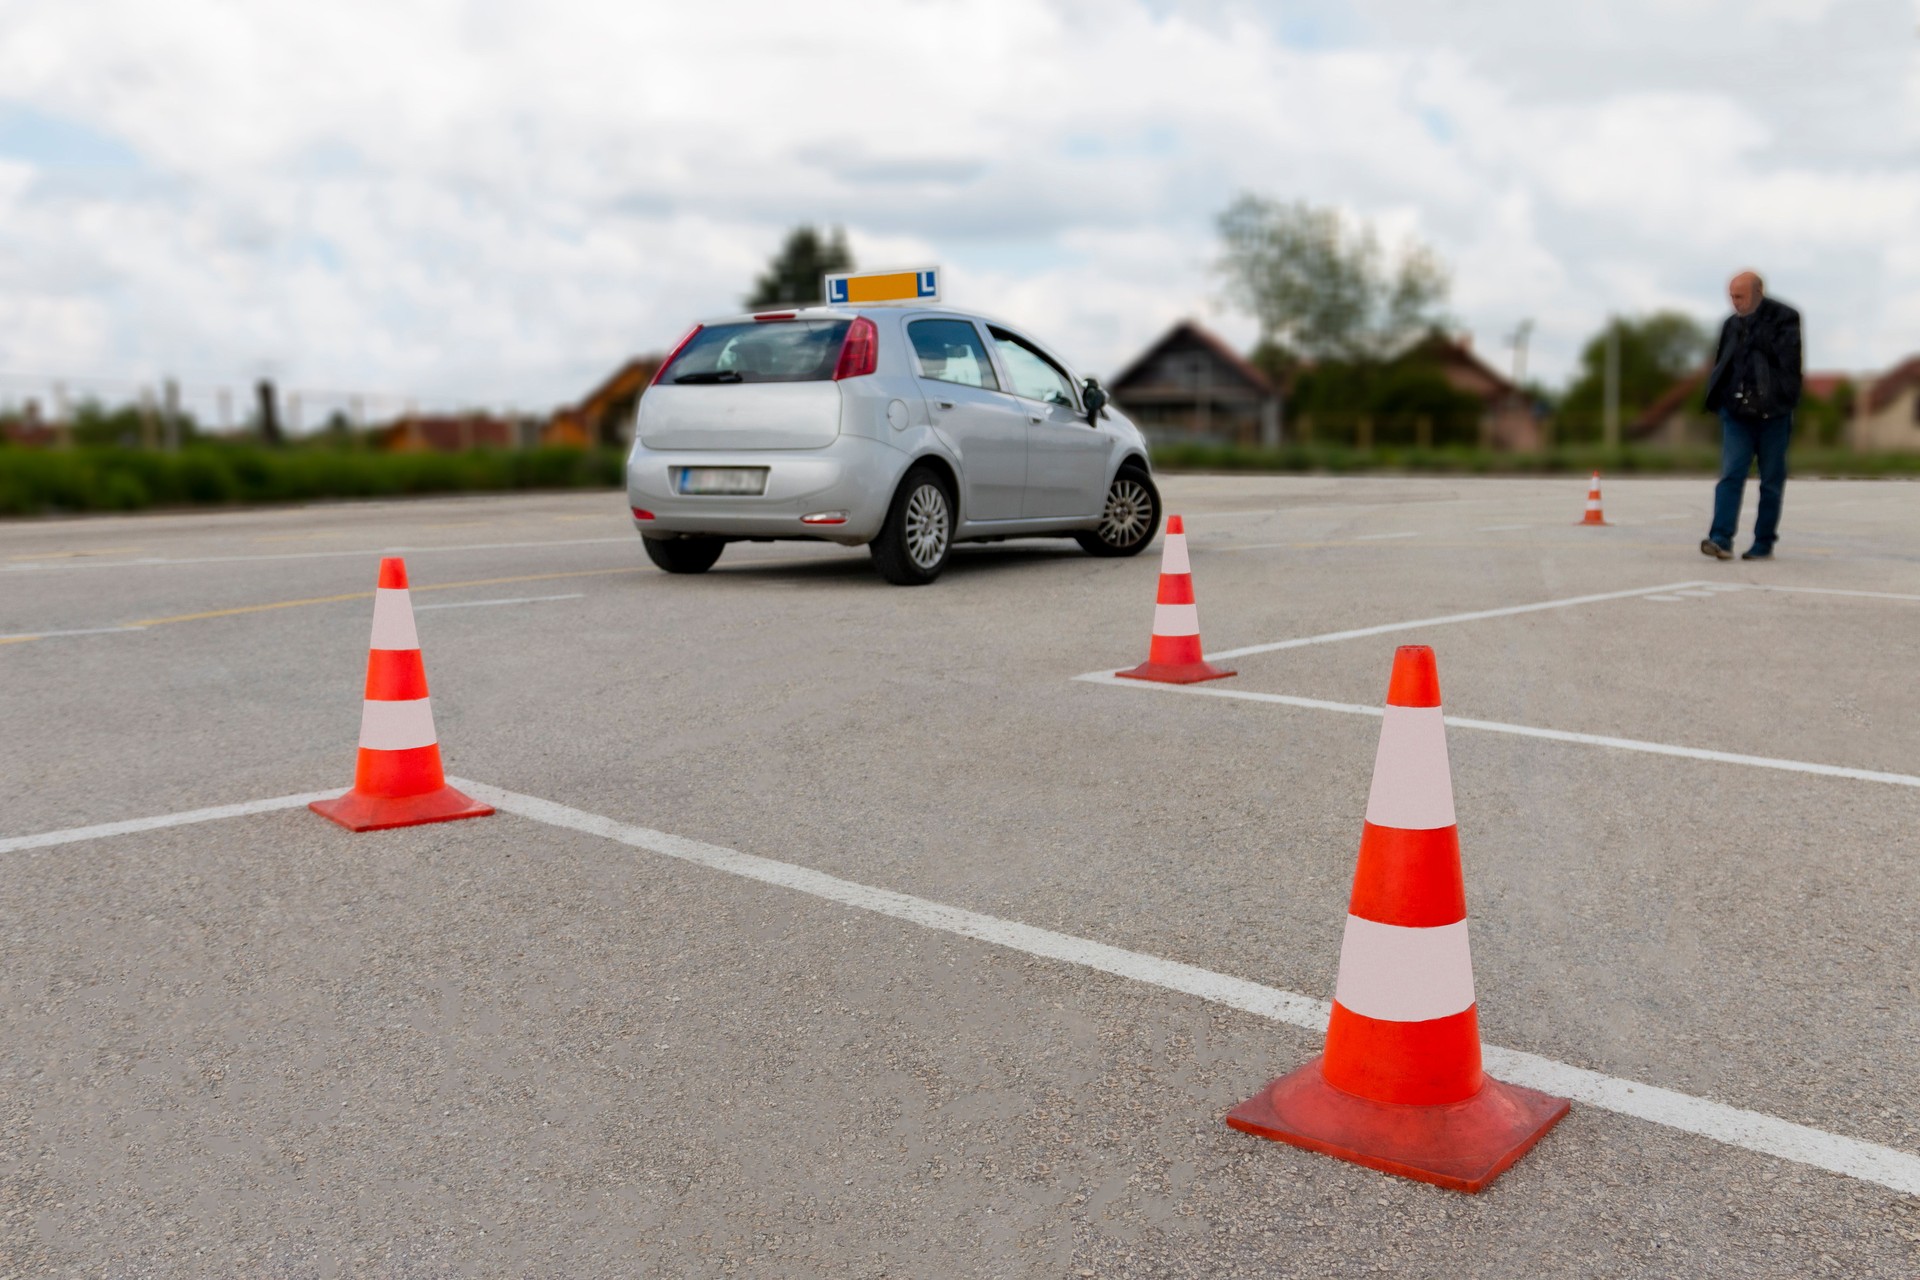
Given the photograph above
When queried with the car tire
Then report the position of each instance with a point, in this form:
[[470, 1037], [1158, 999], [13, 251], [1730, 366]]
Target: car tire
[[917, 537], [684, 555], [1130, 518]]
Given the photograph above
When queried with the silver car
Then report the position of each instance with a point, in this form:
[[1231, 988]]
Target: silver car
[[901, 428]]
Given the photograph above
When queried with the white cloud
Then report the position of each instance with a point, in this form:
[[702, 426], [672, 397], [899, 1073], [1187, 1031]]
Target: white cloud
[[486, 202]]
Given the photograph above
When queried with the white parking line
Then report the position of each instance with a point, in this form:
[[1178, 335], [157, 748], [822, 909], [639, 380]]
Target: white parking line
[[1824, 591], [145, 562], [1332, 637], [77, 631], [1519, 730], [475, 604], [1749, 1130], [46, 839]]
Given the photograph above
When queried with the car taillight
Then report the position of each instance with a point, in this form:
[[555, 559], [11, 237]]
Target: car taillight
[[639, 514], [673, 355], [859, 350]]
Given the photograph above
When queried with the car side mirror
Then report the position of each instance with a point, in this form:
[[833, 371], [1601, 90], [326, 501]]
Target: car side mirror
[[1096, 400]]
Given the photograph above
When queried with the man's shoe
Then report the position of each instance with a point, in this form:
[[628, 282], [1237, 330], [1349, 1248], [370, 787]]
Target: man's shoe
[[1755, 553], [1708, 547]]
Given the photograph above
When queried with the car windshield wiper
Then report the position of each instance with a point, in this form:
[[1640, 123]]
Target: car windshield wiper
[[711, 375]]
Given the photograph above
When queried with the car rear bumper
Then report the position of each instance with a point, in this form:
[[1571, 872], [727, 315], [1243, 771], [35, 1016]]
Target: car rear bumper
[[853, 474]]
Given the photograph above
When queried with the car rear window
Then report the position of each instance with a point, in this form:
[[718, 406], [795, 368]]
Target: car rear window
[[760, 351]]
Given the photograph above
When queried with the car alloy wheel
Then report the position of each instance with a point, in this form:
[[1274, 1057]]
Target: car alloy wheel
[[1129, 510], [927, 525]]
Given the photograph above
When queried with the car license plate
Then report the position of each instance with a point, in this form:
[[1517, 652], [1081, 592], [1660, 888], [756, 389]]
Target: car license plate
[[735, 480]]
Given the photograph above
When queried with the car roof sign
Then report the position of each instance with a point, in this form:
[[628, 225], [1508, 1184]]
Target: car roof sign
[[918, 285]]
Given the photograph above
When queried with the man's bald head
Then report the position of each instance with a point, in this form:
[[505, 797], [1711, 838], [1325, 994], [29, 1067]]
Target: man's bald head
[[1744, 291]]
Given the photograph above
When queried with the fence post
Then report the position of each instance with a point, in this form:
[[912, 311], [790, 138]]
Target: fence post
[[1363, 433]]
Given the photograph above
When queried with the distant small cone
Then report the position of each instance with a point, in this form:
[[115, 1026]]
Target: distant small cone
[[1174, 655], [1399, 1086], [1593, 515], [398, 781]]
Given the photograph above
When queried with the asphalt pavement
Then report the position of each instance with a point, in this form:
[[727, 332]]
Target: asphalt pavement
[[258, 1045]]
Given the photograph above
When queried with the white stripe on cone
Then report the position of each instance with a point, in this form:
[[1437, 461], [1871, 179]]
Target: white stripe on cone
[[396, 726], [1176, 620], [1412, 783], [1173, 557], [1397, 974], [393, 620]]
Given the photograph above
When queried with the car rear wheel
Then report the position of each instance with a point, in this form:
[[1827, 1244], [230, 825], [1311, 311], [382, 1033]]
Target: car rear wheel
[[684, 555], [918, 536], [1130, 518]]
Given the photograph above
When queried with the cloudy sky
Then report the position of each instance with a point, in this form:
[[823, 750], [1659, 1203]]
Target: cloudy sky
[[496, 203]]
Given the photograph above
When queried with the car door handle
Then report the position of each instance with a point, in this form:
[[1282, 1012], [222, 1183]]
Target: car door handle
[[1036, 417], [943, 404]]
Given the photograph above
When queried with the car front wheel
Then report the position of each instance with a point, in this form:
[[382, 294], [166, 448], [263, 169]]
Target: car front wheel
[[1130, 518], [684, 555], [918, 536]]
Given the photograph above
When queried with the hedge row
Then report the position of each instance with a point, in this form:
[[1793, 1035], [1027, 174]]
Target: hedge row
[[33, 481], [1466, 460]]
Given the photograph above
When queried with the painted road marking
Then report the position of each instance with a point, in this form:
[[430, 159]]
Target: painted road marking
[[1696, 595], [17, 637], [47, 839], [156, 561], [1333, 637], [1521, 730], [1734, 1126], [1823, 591], [476, 604]]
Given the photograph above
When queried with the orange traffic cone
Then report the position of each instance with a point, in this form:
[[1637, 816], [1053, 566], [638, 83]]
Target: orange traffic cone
[[1174, 656], [1593, 515], [398, 781], [1399, 1086]]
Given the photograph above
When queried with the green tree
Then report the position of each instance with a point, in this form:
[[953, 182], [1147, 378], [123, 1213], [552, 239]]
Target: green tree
[[1656, 351], [794, 275], [1321, 289]]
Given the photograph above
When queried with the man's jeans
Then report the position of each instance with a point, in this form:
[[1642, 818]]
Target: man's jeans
[[1740, 442]]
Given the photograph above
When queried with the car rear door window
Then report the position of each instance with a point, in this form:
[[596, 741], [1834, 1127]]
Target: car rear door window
[[767, 351], [1034, 376], [951, 351]]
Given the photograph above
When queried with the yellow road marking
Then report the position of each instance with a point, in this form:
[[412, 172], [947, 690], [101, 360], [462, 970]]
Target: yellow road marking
[[368, 595]]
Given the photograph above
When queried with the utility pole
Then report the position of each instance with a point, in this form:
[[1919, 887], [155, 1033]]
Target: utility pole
[[1610, 421], [170, 414], [1518, 341]]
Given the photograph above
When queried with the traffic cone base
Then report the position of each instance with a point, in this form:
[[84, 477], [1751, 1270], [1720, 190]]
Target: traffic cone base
[[1176, 673], [1462, 1146], [358, 811]]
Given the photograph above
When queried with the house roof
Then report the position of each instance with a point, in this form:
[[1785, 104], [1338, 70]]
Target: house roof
[[1440, 346], [629, 378], [1206, 338], [1892, 383]]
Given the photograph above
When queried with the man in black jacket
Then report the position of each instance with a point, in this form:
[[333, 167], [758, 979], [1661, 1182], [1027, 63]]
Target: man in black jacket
[[1754, 387]]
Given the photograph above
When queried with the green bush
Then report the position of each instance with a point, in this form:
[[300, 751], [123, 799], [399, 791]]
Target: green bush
[[111, 478]]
